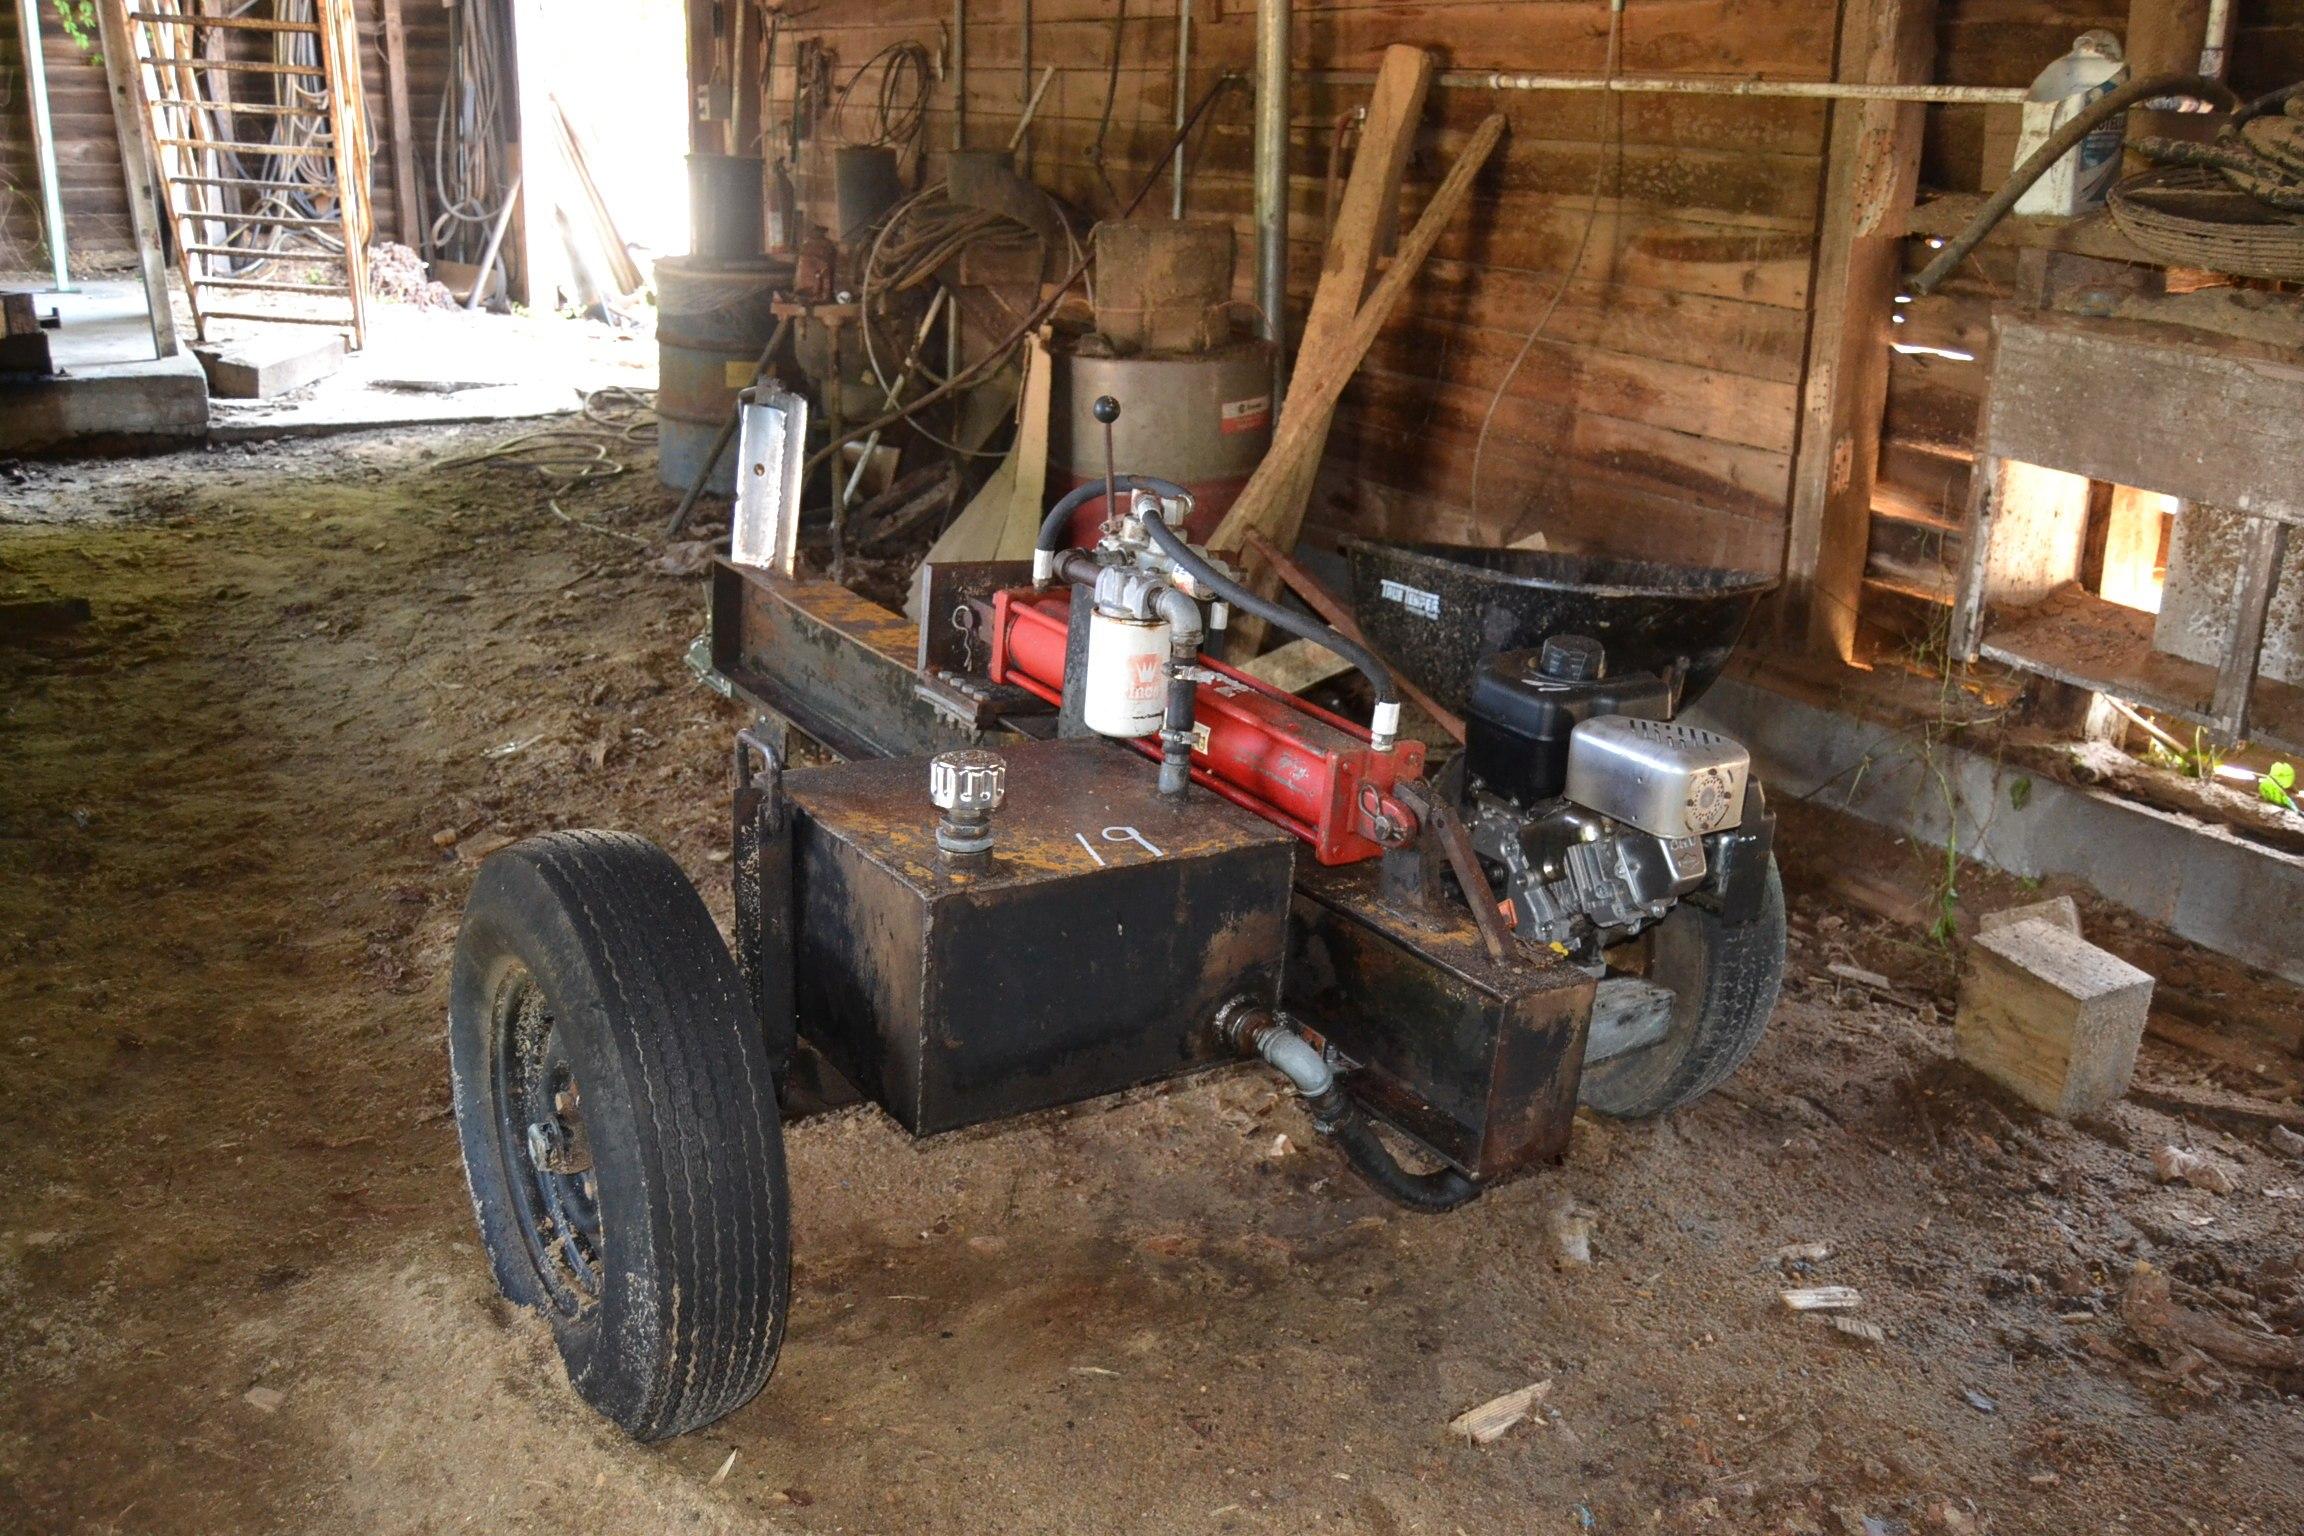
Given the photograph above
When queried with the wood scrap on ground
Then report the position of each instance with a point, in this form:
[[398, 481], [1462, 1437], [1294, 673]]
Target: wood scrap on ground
[[2185, 1338], [1488, 1422], [1296, 666]]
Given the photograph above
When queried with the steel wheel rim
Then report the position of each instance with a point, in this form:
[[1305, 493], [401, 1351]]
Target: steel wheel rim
[[542, 1143]]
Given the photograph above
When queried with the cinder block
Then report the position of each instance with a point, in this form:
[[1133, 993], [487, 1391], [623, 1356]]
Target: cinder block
[[2062, 911], [259, 367], [2051, 1017]]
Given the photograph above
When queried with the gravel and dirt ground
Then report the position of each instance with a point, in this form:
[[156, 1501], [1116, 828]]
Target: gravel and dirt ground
[[239, 1290]]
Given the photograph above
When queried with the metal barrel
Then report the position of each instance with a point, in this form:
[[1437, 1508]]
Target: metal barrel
[[1202, 420], [724, 203], [713, 318]]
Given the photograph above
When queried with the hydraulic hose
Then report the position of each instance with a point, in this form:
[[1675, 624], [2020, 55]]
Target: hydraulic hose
[[1253, 1028], [1059, 516], [2059, 144], [1443, 1189], [1384, 726]]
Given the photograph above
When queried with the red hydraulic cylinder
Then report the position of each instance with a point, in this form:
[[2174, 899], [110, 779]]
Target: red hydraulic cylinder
[[1302, 767]]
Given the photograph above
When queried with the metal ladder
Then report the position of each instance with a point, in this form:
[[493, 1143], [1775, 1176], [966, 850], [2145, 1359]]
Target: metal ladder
[[222, 194]]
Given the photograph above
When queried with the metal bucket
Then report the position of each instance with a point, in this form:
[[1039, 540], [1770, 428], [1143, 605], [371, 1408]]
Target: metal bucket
[[1202, 420], [1434, 610], [713, 319]]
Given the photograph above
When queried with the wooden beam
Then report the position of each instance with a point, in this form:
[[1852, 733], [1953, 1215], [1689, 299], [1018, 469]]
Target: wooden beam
[[1365, 217], [407, 199], [1870, 171], [137, 168]]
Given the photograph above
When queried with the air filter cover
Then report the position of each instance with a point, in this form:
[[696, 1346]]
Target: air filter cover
[[1666, 778]]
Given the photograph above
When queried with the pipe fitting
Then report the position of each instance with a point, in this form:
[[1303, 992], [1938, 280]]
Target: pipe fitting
[[1251, 1028]]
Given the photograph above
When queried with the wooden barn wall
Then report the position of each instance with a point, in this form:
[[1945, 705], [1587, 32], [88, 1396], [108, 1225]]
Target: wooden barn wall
[[1655, 417], [1928, 438], [88, 151]]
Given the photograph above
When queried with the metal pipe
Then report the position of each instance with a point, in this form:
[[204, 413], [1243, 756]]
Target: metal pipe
[[1699, 85], [2219, 45], [959, 74], [1186, 631], [1272, 79], [903, 377], [44, 137], [1024, 58], [496, 244], [1024, 123], [1183, 75]]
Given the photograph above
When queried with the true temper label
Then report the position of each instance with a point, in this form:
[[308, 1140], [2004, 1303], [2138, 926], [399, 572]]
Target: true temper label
[[1200, 737], [1425, 605], [1253, 414]]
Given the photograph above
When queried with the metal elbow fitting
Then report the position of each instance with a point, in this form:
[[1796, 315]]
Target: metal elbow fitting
[[1252, 1028]]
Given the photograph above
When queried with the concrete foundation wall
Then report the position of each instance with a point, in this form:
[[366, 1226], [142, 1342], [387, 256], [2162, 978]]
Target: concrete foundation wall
[[2200, 881]]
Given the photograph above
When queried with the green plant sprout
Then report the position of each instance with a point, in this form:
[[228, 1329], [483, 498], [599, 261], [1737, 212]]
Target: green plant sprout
[[2279, 786]]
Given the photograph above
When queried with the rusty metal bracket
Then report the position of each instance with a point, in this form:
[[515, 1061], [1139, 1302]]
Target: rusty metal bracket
[[761, 868]]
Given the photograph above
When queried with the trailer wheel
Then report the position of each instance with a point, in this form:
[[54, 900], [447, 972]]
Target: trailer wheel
[[1724, 977], [619, 1126]]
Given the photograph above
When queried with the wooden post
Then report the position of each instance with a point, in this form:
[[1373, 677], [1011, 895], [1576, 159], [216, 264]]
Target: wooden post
[[2267, 543], [1870, 172], [536, 163], [407, 199], [137, 167]]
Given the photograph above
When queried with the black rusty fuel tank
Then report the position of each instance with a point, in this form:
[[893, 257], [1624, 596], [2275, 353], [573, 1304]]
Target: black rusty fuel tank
[[1090, 956], [1476, 1060]]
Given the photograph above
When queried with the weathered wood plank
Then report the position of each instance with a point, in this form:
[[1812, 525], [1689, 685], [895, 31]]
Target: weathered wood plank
[[2140, 405], [1874, 166]]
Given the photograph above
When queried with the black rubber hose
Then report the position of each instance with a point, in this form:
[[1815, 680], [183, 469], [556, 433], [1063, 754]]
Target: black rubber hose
[[1443, 1189], [2059, 144], [1180, 553], [1059, 516]]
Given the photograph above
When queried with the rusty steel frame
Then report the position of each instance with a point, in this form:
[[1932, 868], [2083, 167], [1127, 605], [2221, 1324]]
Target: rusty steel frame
[[1476, 1059]]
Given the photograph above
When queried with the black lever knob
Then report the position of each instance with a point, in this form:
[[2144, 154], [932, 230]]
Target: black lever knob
[[1105, 409]]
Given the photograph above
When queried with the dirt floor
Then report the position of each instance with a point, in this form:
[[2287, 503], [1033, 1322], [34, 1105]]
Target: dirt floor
[[239, 1289]]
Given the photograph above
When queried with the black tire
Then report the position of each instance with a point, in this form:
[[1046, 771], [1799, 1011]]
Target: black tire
[[618, 1118], [1725, 977]]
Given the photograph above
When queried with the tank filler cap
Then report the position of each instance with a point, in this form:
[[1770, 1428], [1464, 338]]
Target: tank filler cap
[[967, 787], [1572, 659]]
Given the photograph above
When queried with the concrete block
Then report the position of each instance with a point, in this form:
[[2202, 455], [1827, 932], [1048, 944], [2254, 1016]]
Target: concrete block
[[273, 363], [2062, 911], [2051, 1017]]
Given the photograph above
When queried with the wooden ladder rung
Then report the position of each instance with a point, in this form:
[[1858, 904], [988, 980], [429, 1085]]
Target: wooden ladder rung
[[268, 315], [248, 182], [292, 221], [302, 151], [235, 23], [247, 108], [243, 66], [253, 254], [273, 285]]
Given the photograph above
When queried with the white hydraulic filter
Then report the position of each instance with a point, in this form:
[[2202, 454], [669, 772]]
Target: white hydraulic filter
[[1126, 694]]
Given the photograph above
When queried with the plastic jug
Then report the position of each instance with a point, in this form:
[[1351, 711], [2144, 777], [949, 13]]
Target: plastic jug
[[2082, 179]]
